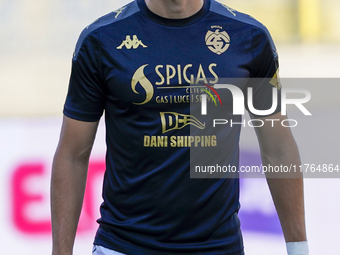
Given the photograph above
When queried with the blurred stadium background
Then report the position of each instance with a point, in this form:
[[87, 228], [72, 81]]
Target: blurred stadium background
[[37, 39]]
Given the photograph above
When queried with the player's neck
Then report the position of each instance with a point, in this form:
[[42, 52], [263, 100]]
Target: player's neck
[[174, 9]]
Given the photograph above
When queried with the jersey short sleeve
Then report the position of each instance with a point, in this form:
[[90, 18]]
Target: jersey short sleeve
[[264, 73], [85, 99]]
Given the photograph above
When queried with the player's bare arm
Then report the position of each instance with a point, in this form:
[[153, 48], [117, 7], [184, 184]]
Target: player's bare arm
[[68, 181], [278, 147], [174, 9]]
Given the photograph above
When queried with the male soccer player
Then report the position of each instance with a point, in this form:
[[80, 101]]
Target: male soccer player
[[147, 65]]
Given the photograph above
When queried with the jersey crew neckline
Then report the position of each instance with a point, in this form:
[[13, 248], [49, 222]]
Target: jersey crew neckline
[[174, 22]]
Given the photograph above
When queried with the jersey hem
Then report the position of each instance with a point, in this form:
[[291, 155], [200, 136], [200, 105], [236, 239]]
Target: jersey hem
[[128, 247], [129, 250]]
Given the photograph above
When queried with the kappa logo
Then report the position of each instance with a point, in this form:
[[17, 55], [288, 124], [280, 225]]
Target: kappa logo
[[119, 11], [218, 42], [275, 81], [231, 10], [173, 120], [134, 43]]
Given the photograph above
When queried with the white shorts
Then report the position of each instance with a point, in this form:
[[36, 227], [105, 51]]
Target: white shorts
[[100, 250]]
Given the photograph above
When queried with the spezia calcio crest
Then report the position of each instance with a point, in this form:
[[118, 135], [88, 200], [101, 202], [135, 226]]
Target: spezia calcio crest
[[217, 41]]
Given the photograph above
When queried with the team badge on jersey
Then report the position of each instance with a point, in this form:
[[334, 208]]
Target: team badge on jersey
[[218, 42]]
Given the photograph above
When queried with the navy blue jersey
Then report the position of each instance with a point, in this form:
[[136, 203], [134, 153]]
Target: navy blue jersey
[[148, 74]]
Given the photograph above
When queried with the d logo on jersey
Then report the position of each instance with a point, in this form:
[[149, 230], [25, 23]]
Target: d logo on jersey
[[218, 42], [173, 120]]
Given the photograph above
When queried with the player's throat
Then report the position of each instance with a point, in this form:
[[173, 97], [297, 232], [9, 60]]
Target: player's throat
[[174, 9]]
